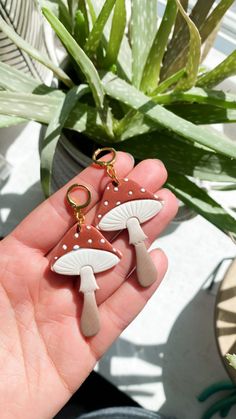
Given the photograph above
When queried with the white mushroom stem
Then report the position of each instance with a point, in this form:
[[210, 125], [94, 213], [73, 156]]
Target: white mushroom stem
[[145, 268], [89, 321]]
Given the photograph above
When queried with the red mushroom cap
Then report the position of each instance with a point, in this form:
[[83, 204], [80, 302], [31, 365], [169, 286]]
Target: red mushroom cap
[[87, 238], [126, 191]]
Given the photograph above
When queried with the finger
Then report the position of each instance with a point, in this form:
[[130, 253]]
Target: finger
[[153, 228], [119, 310], [44, 227]]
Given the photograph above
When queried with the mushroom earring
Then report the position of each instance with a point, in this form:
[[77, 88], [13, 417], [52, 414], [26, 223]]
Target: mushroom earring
[[126, 204], [84, 251]]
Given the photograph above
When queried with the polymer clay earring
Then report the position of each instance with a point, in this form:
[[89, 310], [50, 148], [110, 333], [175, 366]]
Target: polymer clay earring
[[84, 251], [126, 204]]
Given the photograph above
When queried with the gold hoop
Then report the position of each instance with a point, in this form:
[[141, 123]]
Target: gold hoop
[[101, 162], [78, 207]]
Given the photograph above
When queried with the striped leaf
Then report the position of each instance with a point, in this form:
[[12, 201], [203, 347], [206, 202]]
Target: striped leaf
[[116, 34], [143, 29], [200, 201], [194, 53], [201, 163], [130, 96], [225, 69], [98, 27], [34, 53], [53, 134], [151, 72]]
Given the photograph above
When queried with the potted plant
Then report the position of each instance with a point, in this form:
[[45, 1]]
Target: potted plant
[[136, 84]]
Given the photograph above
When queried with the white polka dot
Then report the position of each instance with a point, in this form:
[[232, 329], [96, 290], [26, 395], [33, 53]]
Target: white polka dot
[[143, 190], [55, 257], [116, 189], [118, 203], [99, 215], [76, 235], [130, 193], [114, 250], [88, 227], [106, 203], [108, 187], [103, 241], [64, 246], [90, 241], [126, 179], [76, 246]]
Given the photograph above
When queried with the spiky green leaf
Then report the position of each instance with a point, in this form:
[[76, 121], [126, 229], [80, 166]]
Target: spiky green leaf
[[198, 95], [201, 163], [98, 27], [41, 108], [225, 69], [86, 66], [194, 53], [53, 134], [143, 29], [199, 200], [151, 72], [116, 34], [34, 53], [130, 96], [203, 114]]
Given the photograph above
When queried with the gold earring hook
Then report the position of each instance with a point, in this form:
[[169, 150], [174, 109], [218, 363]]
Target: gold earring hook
[[109, 164], [75, 205]]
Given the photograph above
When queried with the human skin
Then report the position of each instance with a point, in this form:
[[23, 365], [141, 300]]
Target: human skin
[[44, 358]]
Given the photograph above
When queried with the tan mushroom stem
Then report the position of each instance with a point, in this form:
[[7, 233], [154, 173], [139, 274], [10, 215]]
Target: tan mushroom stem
[[145, 268], [89, 321]]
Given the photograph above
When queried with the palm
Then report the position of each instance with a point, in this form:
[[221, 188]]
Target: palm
[[44, 357]]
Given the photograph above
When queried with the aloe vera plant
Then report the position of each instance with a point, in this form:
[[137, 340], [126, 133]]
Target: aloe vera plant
[[137, 85]]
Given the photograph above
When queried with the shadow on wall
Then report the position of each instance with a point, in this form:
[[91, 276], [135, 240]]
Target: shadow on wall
[[186, 368], [18, 206]]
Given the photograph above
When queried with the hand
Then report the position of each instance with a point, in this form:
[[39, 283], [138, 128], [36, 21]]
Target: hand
[[43, 356]]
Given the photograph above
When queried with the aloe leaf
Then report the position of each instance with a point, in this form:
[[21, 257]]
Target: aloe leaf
[[175, 56], [130, 96], [34, 53], [9, 121], [201, 163], [214, 18], [194, 53], [80, 30], [116, 34], [85, 65], [203, 114], [199, 200], [167, 83], [124, 56], [53, 133], [225, 69], [98, 27], [21, 82], [227, 187], [198, 95], [179, 21], [176, 53], [41, 108], [151, 72], [143, 30]]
